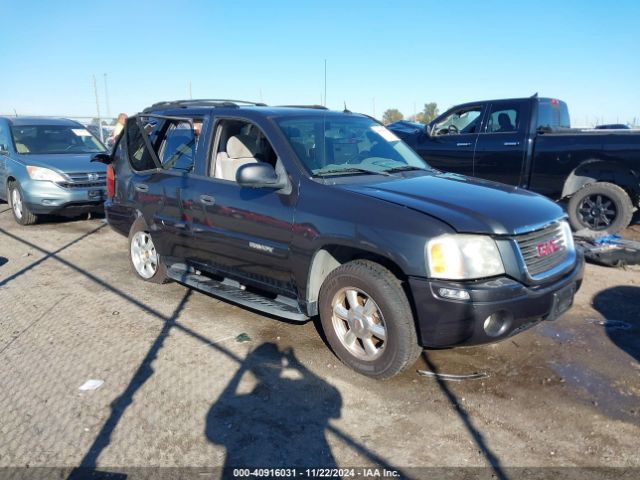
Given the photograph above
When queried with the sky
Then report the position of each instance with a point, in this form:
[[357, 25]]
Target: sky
[[379, 54]]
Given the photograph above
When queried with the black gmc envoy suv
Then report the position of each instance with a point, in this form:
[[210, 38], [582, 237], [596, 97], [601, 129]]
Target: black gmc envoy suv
[[301, 211]]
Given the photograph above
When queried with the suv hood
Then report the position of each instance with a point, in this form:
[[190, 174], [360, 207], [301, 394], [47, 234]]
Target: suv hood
[[64, 163], [469, 205]]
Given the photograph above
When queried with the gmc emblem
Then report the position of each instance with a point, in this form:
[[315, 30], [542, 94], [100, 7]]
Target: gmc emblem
[[547, 248]]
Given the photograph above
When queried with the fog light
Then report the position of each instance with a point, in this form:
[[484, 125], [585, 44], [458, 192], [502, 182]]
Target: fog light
[[454, 293], [47, 201], [497, 323]]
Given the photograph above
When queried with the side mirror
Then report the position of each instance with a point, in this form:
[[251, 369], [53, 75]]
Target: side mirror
[[259, 175], [3, 149], [427, 129], [102, 158]]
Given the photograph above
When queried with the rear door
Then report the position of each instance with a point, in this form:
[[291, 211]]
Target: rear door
[[160, 150], [175, 147], [452, 140], [501, 146]]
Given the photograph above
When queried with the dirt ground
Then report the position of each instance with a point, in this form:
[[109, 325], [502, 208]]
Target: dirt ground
[[632, 233], [180, 390]]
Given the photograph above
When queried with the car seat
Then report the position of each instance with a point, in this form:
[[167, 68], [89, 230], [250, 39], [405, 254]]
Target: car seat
[[240, 150]]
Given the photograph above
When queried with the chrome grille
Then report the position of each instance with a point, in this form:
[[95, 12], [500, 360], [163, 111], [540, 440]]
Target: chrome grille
[[82, 180], [528, 244]]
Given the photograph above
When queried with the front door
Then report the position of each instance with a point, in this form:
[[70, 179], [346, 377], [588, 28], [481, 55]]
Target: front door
[[451, 143], [243, 233], [501, 148]]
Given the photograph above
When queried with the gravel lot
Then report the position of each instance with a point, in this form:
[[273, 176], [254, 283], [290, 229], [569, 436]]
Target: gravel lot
[[180, 391]]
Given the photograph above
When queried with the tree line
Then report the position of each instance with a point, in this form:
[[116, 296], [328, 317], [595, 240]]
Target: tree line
[[429, 112]]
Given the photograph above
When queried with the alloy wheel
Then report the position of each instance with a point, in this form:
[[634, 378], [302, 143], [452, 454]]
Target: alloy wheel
[[597, 211], [143, 255], [16, 203], [358, 323]]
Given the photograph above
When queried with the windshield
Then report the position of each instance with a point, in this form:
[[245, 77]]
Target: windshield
[[49, 139], [347, 145]]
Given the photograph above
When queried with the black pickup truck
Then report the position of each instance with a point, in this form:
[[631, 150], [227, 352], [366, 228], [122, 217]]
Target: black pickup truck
[[528, 142], [300, 212]]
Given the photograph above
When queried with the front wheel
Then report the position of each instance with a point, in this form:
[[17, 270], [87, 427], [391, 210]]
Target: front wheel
[[145, 260], [600, 208], [367, 319], [20, 210]]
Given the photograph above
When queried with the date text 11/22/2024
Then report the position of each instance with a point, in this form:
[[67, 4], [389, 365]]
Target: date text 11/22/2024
[[316, 473]]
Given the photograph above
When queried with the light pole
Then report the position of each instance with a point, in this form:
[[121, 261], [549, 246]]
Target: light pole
[[106, 96], [95, 91], [325, 82]]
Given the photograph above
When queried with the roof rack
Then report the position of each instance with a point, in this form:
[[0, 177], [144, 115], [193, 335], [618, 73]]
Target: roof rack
[[209, 102], [316, 107]]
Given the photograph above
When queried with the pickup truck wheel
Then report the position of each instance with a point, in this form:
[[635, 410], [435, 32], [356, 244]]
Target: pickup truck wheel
[[21, 212], [600, 208], [367, 319], [145, 260]]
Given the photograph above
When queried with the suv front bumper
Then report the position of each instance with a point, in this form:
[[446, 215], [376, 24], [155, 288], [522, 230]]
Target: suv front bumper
[[49, 198], [498, 308]]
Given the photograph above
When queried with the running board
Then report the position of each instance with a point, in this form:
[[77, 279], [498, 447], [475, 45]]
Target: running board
[[232, 291]]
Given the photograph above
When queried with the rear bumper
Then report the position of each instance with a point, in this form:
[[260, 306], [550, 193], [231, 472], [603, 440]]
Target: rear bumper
[[444, 322], [118, 217], [49, 198]]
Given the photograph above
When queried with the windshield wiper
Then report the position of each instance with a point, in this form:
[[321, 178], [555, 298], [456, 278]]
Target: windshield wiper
[[350, 170], [404, 168]]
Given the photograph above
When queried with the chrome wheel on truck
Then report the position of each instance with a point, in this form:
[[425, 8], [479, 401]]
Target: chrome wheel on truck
[[358, 323], [367, 319], [144, 255], [145, 260]]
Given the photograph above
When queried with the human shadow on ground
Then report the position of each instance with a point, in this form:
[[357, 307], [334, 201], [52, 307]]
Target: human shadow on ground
[[274, 412], [621, 308], [311, 385]]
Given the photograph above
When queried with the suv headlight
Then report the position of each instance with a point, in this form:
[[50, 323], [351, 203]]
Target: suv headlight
[[40, 173], [463, 257]]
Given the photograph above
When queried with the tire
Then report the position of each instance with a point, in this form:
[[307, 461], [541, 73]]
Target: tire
[[600, 208], [143, 258], [21, 212], [379, 340]]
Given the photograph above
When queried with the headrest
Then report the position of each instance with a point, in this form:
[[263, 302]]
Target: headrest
[[241, 146], [504, 120]]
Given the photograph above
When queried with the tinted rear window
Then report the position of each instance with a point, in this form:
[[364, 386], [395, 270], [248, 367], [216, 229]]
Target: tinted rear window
[[553, 113]]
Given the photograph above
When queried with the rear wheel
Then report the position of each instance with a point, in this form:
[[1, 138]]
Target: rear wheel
[[145, 260], [600, 208], [367, 319], [21, 212]]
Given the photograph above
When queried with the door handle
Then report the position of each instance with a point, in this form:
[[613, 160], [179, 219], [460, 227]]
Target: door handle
[[171, 223], [207, 199], [141, 187], [511, 144], [463, 144]]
